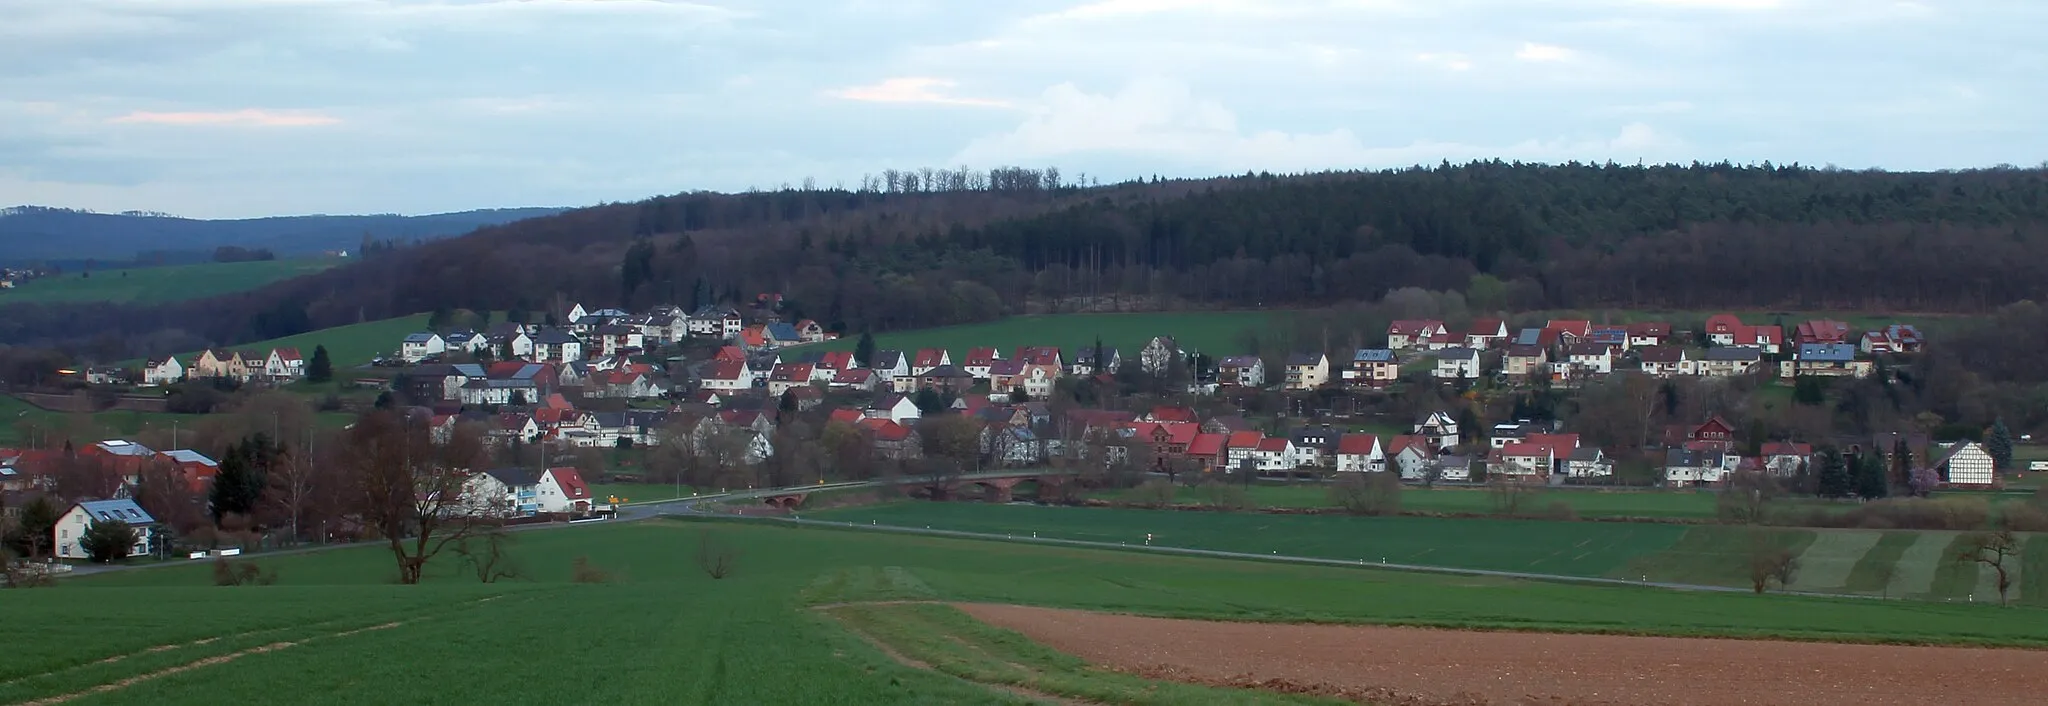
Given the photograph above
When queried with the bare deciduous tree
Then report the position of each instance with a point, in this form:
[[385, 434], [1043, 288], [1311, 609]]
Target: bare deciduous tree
[[1367, 493], [1769, 562], [1996, 550], [411, 489], [1508, 494], [715, 555], [486, 552]]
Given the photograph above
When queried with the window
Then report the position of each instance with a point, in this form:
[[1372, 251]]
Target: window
[[63, 534]]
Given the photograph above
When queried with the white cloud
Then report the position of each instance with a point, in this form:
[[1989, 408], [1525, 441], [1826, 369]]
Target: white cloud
[[1447, 60], [1532, 51], [912, 89], [247, 117]]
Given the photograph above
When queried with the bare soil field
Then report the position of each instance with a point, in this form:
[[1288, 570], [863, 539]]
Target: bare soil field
[[1425, 667]]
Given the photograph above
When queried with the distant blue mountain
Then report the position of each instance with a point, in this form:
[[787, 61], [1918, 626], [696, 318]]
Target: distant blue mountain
[[36, 233]]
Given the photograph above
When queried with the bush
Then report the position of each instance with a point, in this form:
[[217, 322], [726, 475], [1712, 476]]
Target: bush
[[1367, 493], [241, 573], [1224, 496], [108, 541], [1560, 510], [2023, 517], [582, 571], [1154, 493]]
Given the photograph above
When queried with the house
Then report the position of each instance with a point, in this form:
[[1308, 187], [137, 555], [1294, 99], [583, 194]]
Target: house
[[1730, 361], [563, 490], [1207, 451], [1825, 360], [502, 492], [929, 358], [1239, 448], [856, 379], [1012, 445], [1524, 360], [945, 379], [1896, 338], [107, 375], [1158, 354], [1523, 459], [1316, 445], [557, 346], [1041, 355], [1275, 454], [1241, 371], [893, 440], [250, 365], [1372, 367], [1785, 458], [780, 335], [1485, 333], [980, 361], [1768, 338], [1665, 361], [1591, 358], [1457, 363], [1308, 371], [1360, 453], [1615, 337], [213, 364], [808, 331], [721, 322], [1648, 333], [71, 526], [1966, 463], [726, 376], [1570, 331], [196, 468], [1588, 462], [1036, 379], [1411, 455], [510, 340], [1414, 333], [1722, 329], [469, 342], [1440, 429], [284, 364], [1685, 467], [788, 375], [418, 346], [888, 366], [1713, 431], [895, 408], [1821, 331], [1085, 364], [163, 371], [623, 384]]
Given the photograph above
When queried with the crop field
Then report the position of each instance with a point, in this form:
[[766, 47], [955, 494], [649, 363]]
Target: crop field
[[1897, 564], [162, 284], [797, 621], [1212, 333]]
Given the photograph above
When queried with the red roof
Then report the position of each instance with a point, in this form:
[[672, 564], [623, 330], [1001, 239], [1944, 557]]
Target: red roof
[[1397, 444], [1488, 327], [1245, 440], [730, 353], [288, 354], [557, 401], [1172, 414], [791, 372], [1650, 329], [571, 482], [850, 416], [853, 376], [504, 370], [1357, 444], [1761, 335], [930, 357], [1276, 444], [755, 335], [1039, 355], [1527, 449], [886, 430], [1724, 323], [725, 370], [1412, 327], [982, 357], [1207, 445], [1576, 327], [836, 360], [1823, 331], [974, 403]]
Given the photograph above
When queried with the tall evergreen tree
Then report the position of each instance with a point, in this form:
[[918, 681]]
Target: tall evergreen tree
[[238, 485], [1101, 361], [2000, 445], [1833, 478], [1902, 465], [1870, 476], [864, 351], [700, 295], [321, 367]]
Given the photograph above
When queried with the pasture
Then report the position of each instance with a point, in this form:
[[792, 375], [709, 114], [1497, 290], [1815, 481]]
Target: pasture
[[162, 284], [777, 629], [1217, 334]]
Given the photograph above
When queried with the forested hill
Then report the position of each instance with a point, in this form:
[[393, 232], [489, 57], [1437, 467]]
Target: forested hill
[[980, 245], [33, 233]]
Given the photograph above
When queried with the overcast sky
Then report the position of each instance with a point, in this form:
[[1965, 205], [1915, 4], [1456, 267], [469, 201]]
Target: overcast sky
[[231, 108]]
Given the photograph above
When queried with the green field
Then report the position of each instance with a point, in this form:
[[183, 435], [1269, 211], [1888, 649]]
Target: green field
[[791, 624], [1662, 504], [1921, 563], [102, 425], [349, 346], [1212, 333], [163, 284]]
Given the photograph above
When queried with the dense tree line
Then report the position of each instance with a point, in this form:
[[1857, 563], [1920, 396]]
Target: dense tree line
[[934, 247]]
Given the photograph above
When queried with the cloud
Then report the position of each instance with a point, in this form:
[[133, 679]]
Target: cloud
[[1162, 121], [249, 117], [1452, 61], [1532, 51], [912, 89]]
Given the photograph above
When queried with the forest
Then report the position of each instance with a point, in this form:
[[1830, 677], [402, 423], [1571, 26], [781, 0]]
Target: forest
[[936, 247]]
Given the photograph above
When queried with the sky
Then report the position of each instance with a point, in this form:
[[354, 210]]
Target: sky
[[242, 108]]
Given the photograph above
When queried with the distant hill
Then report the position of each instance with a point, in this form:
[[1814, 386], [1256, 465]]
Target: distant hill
[[36, 233]]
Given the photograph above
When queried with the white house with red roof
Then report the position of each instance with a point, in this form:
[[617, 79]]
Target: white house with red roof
[[788, 375], [284, 364], [727, 376], [980, 361], [1360, 453], [1275, 453], [1484, 333], [928, 358], [1414, 333], [562, 490]]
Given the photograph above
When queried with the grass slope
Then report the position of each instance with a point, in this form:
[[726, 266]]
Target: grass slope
[[349, 346], [1212, 333], [337, 632], [163, 284]]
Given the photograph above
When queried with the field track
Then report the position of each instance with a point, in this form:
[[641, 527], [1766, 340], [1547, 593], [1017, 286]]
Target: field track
[[1468, 668]]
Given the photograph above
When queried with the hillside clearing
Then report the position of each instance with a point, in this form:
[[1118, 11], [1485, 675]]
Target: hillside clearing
[[162, 284]]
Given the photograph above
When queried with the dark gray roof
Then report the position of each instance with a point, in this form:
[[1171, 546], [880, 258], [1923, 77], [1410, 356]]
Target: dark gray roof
[[1457, 352], [515, 477], [554, 337], [1304, 358], [886, 360]]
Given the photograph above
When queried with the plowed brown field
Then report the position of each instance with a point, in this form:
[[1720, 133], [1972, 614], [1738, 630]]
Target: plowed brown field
[[1468, 668]]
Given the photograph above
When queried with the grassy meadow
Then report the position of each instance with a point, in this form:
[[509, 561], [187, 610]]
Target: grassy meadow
[[349, 346], [162, 284], [796, 622], [1213, 333]]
